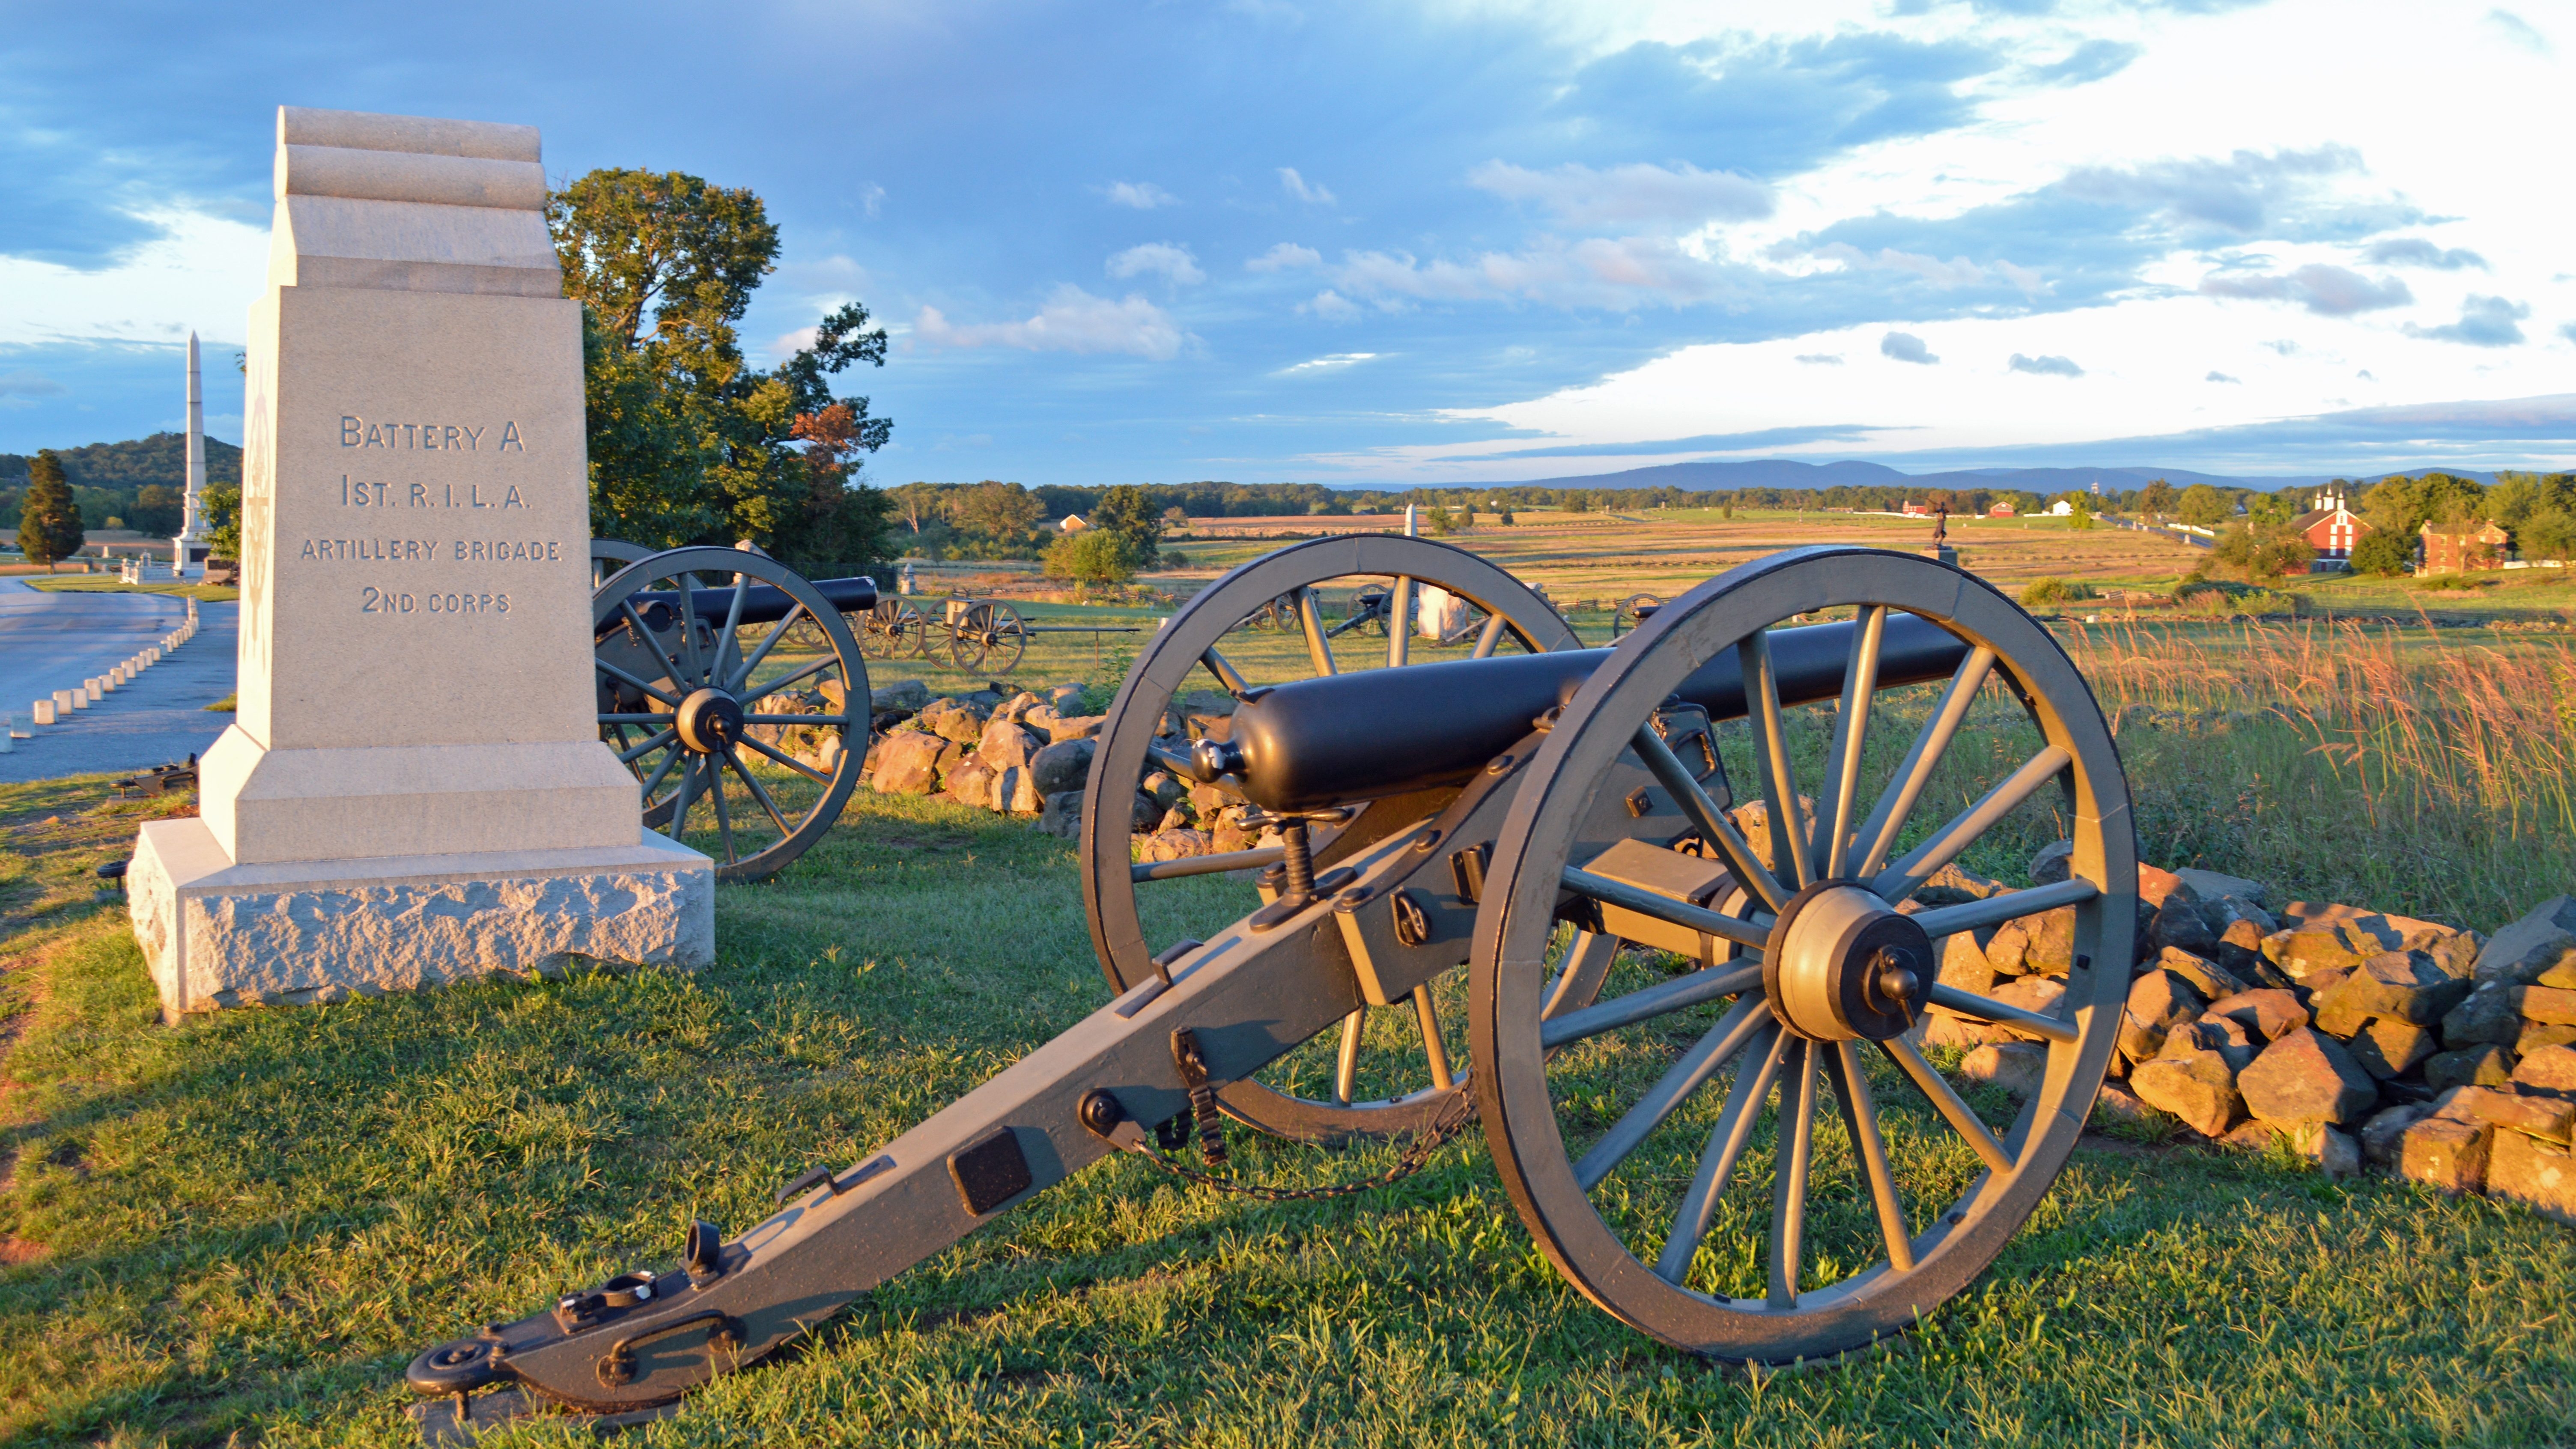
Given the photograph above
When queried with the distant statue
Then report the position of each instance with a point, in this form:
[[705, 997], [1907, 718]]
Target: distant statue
[[1940, 525]]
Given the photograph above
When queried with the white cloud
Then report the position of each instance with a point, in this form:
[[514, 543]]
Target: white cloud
[[1172, 260], [1302, 189], [1142, 195], [20, 389], [1072, 320], [1619, 273], [1634, 194], [871, 199], [1284, 256], [1330, 305], [1330, 362]]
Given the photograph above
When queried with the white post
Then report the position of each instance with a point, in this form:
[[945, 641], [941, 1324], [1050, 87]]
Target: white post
[[44, 713]]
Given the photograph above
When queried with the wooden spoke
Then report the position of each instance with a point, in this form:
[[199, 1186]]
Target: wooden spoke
[[631, 682], [659, 739], [1399, 623], [1487, 641], [1346, 1064], [645, 637], [687, 795], [796, 612], [1432, 1046], [731, 639], [1994, 910], [1706, 818], [1664, 908], [1227, 676], [1986, 1008], [663, 770], [724, 817], [1319, 645], [1797, 1136], [1726, 1141], [759, 793], [1660, 999], [1851, 734], [1789, 854], [1860, 1119], [796, 676], [1936, 1089], [799, 766], [1661, 1100], [689, 628], [1924, 861], [1915, 771]]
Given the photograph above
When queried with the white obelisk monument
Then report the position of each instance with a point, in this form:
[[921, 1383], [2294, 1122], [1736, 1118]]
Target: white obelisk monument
[[413, 790], [188, 550]]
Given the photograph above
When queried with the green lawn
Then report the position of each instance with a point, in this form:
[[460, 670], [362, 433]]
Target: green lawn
[[111, 584], [240, 1229]]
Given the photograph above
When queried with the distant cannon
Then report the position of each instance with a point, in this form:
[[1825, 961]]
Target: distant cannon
[[1641, 982], [733, 689]]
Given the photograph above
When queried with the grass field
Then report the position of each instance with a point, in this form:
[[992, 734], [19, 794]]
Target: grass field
[[240, 1228], [111, 584]]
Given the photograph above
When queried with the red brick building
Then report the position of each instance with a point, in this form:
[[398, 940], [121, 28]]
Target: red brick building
[[2478, 544], [2331, 528], [2003, 509]]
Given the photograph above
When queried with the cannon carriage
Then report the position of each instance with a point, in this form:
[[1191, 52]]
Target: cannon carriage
[[1517, 888]]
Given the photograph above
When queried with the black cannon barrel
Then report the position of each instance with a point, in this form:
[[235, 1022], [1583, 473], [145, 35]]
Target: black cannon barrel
[[1350, 737], [761, 604]]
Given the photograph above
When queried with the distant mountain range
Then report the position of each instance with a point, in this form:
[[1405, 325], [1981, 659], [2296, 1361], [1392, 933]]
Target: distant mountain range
[[1789, 473]]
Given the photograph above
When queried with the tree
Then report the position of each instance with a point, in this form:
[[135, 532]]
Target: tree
[[2263, 553], [916, 505], [2156, 499], [1093, 556], [1124, 512], [158, 509], [842, 521], [220, 506], [2202, 506], [2082, 517], [49, 523], [688, 441], [998, 514], [1438, 520], [2548, 533], [2383, 553]]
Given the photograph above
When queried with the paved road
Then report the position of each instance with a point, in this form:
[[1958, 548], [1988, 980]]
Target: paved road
[[51, 641]]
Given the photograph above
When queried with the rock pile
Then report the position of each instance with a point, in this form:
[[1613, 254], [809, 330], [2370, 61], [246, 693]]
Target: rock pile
[[1030, 754], [2353, 1036]]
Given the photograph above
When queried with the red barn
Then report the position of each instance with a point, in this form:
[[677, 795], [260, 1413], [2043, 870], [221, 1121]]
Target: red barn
[[2004, 509], [2331, 528]]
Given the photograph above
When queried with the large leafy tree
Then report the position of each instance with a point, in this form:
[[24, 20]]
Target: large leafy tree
[[49, 523], [1124, 511], [688, 441]]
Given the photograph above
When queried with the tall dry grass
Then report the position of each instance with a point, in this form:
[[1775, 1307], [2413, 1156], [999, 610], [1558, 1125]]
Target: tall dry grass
[[2382, 766]]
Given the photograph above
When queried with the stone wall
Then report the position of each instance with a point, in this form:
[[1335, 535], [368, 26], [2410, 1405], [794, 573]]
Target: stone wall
[[2358, 1039]]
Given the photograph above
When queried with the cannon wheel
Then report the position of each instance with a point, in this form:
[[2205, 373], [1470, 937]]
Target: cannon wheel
[[1189, 645], [1632, 611], [893, 630], [608, 555], [1923, 1190], [682, 706], [989, 637]]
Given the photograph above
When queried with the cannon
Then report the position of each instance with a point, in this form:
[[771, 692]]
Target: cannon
[[734, 691], [1546, 833]]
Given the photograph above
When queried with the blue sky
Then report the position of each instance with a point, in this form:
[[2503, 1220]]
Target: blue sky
[[1275, 240]]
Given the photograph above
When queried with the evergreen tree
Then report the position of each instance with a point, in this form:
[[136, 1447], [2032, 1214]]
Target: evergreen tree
[[49, 523]]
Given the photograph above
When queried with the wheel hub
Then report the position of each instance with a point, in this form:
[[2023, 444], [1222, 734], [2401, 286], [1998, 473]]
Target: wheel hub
[[709, 720], [1841, 966]]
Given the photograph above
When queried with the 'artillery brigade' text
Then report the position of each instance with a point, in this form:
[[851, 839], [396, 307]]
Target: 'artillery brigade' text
[[428, 550]]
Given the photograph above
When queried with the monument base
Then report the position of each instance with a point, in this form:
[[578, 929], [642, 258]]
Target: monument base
[[1943, 553], [218, 935]]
